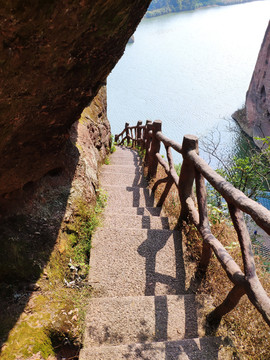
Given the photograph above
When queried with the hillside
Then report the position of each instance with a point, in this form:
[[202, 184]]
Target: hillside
[[162, 7]]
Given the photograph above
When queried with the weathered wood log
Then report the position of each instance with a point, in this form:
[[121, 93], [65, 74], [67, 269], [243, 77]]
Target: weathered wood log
[[171, 165], [203, 218], [158, 182], [123, 140], [187, 174], [195, 168], [244, 240], [253, 288], [165, 192], [147, 140], [127, 132], [167, 169], [154, 149], [258, 297], [139, 133], [168, 142], [228, 304], [233, 271], [232, 195]]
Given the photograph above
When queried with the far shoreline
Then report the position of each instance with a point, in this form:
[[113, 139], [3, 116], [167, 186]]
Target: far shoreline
[[151, 14]]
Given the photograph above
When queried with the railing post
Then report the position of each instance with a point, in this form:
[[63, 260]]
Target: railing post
[[187, 175], [139, 133], [146, 141], [155, 146], [127, 132]]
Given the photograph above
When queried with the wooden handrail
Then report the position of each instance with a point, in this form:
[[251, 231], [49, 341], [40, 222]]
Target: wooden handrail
[[194, 169]]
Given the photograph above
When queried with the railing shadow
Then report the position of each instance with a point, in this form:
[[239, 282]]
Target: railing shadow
[[151, 249]]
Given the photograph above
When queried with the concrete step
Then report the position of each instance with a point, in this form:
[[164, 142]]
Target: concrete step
[[127, 179], [147, 211], [125, 153], [124, 150], [134, 319], [134, 262], [125, 160], [126, 169], [135, 221], [122, 156], [210, 348], [128, 196]]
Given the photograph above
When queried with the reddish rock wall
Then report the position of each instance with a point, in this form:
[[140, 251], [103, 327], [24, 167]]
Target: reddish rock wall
[[256, 123], [54, 57]]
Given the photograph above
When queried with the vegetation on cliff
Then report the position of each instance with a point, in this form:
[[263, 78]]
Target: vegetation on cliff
[[161, 7]]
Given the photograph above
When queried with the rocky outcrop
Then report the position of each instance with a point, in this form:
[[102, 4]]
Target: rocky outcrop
[[74, 175], [54, 56], [255, 118]]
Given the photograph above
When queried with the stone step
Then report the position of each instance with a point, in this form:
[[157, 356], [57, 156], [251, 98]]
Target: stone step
[[210, 348], [147, 211], [121, 156], [127, 179], [128, 196], [134, 262], [135, 221], [126, 169], [134, 319], [125, 160], [125, 152]]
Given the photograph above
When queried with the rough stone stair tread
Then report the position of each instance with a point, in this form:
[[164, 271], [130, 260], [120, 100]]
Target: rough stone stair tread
[[125, 169], [119, 195], [125, 155], [128, 221], [128, 262], [139, 308], [125, 152], [133, 319], [186, 349], [135, 210], [122, 179]]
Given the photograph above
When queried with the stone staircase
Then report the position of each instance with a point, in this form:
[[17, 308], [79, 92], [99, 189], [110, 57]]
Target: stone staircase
[[139, 308]]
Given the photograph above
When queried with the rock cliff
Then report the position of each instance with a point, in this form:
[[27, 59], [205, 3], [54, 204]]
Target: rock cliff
[[54, 56], [256, 118]]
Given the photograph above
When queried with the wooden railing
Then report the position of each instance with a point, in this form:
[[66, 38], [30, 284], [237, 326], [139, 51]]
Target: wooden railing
[[194, 169]]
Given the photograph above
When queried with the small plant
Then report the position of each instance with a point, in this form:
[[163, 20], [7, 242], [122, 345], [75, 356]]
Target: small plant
[[178, 168], [82, 228], [113, 143], [107, 160], [215, 214], [101, 200], [141, 151]]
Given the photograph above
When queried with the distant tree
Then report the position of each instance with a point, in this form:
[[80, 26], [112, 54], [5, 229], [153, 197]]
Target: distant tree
[[248, 169]]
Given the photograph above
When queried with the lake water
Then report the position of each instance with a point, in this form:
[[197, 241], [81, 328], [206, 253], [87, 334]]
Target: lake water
[[191, 70]]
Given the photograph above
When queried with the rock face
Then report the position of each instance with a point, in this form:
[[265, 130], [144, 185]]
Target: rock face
[[74, 174], [256, 122], [54, 57]]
